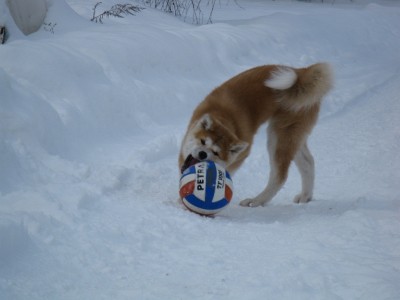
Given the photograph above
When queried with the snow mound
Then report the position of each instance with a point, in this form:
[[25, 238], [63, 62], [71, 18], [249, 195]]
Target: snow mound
[[28, 14]]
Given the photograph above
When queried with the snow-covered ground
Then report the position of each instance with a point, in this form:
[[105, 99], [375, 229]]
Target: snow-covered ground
[[91, 119]]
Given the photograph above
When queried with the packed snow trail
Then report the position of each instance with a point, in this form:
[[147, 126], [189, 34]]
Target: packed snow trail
[[91, 119]]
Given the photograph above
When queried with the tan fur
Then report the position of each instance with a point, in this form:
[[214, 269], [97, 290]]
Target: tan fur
[[231, 114]]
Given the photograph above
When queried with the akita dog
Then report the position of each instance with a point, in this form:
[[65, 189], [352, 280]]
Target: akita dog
[[223, 126]]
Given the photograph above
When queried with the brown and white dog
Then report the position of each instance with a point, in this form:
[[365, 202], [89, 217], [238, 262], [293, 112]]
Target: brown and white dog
[[223, 126]]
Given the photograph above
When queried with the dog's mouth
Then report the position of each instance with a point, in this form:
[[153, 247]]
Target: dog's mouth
[[189, 161]]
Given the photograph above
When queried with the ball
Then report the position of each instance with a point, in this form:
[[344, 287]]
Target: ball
[[206, 188]]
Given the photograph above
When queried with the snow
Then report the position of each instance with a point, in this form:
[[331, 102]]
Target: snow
[[91, 120]]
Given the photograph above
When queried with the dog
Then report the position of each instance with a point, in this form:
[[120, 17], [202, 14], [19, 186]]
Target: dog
[[223, 125]]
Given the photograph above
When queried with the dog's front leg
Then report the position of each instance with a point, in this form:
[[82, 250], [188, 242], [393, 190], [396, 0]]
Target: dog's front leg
[[277, 178], [283, 144], [273, 186], [279, 168]]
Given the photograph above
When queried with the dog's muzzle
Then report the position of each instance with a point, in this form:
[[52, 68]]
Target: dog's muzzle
[[189, 161]]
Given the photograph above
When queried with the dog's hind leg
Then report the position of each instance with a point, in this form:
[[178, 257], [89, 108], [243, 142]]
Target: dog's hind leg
[[305, 164]]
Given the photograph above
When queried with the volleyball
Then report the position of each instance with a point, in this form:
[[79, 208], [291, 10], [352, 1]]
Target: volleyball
[[206, 188]]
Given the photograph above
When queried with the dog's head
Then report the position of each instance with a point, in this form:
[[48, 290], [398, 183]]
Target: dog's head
[[209, 139]]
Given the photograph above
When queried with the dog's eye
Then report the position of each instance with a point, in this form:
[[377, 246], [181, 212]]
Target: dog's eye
[[215, 153], [203, 142]]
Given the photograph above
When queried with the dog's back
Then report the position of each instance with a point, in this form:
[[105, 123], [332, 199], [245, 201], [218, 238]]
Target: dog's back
[[251, 98]]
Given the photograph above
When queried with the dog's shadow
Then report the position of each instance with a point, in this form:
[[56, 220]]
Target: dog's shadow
[[292, 212]]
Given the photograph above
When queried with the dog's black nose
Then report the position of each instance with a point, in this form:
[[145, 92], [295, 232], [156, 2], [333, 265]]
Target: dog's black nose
[[202, 155]]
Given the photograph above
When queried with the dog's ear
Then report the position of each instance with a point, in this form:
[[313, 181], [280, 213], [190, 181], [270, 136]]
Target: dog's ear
[[205, 122], [238, 147]]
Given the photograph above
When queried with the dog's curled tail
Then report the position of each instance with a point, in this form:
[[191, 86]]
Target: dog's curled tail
[[301, 88]]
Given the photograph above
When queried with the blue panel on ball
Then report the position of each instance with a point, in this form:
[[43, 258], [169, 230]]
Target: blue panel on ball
[[208, 205], [211, 177]]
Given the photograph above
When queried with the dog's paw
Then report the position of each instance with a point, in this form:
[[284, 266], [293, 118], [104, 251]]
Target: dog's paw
[[252, 202], [302, 198]]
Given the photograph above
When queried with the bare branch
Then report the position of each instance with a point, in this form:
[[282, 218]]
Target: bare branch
[[117, 10]]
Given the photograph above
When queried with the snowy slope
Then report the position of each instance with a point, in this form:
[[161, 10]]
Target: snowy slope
[[91, 119]]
